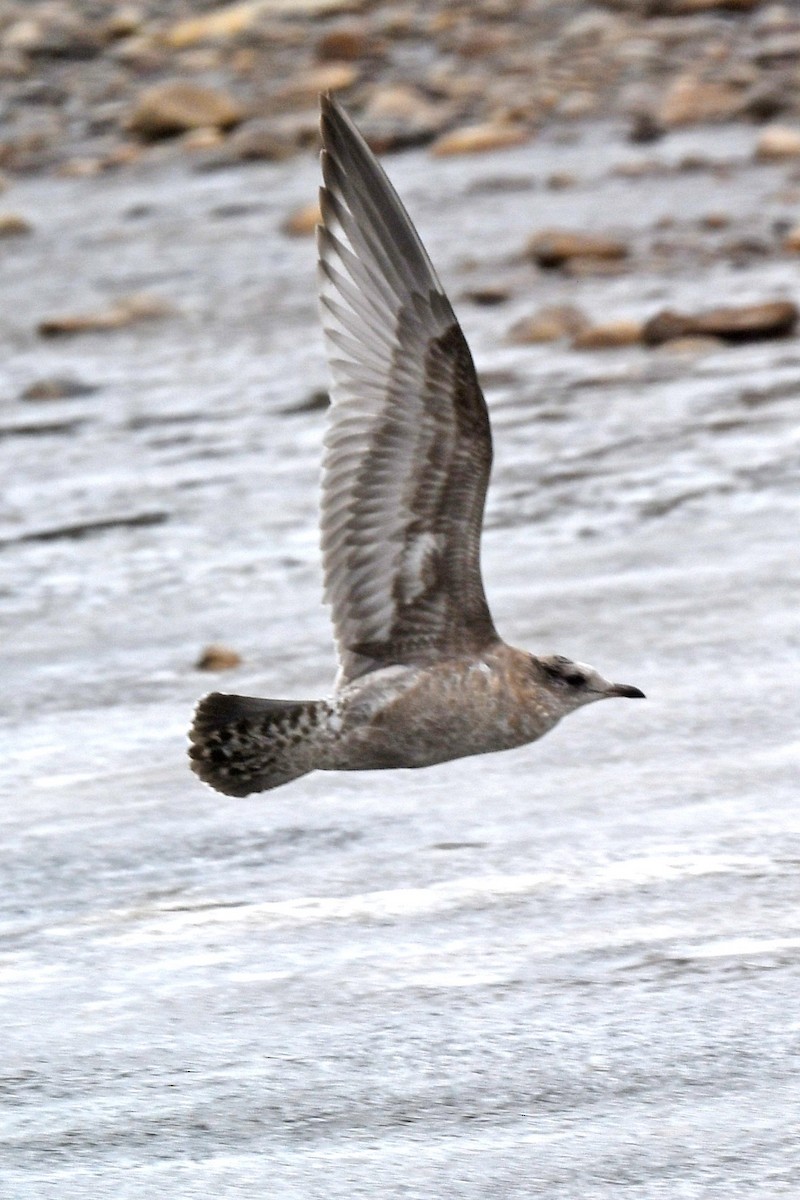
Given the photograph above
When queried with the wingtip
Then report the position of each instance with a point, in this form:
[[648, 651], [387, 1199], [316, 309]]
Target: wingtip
[[330, 112], [336, 125]]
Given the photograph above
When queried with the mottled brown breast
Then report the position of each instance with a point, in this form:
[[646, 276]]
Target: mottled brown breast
[[459, 707]]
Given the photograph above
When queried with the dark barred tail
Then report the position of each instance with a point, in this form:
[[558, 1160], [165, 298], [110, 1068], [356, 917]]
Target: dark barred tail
[[242, 745]]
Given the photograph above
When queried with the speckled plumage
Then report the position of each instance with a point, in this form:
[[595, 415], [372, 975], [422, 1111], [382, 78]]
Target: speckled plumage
[[424, 676]]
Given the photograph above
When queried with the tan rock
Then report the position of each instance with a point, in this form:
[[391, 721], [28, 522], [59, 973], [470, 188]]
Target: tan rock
[[123, 154], [735, 324], [716, 220], [218, 658], [317, 401], [55, 32], [23, 34], [259, 141], [218, 25], [559, 181], [692, 345], [303, 221], [578, 104], [777, 142], [126, 311], [13, 225], [227, 22], [398, 101], [638, 168], [328, 77], [587, 266], [347, 43], [690, 100], [83, 167], [399, 115], [792, 240], [478, 139], [306, 8], [488, 295], [57, 387], [680, 8], [555, 247], [171, 108], [124, 22], [206, 137], [609, 335], [549, 324]]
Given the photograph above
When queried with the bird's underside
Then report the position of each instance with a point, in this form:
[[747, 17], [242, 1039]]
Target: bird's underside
[[423, 674]]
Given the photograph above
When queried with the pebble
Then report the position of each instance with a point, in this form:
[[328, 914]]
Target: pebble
[[400, 115], [307, 86], [58, 387], [83, 167], [218, 25], [733, 324], [205, 137], [56, 33], [478, 139], [258, 141], [715, 220], [692, 345], [689, 100], [218, 658], [127, 311], [488, 295], [13, 225], [549, 324], [230, 21], [348, 43], [555, 247], [777, 142], [681, 8], [645, 128], [123, 22], [609, 335], [792, 240], [174, 107], [317, 401], [400, 102], [303, 221], [559, 181]]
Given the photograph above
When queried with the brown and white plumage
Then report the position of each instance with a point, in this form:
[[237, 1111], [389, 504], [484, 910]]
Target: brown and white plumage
[[424, 676], [408, 448]]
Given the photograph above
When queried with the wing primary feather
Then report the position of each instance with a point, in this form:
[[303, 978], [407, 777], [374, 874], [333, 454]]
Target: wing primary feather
[[361, 179]]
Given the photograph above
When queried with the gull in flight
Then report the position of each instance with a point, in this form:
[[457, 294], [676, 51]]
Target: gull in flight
[[424, 676]]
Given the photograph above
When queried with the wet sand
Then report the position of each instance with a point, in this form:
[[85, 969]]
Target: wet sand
[[566, 971]]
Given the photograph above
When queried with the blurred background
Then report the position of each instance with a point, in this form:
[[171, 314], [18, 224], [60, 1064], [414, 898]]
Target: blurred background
[[88, 87], [570, 970]]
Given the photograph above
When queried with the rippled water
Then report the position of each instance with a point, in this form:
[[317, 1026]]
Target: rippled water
[[567, 971]]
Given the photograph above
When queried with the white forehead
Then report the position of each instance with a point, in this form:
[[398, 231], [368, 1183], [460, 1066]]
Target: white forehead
[[567, 664]]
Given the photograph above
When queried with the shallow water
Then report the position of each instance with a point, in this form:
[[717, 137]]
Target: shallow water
[[571, 970]]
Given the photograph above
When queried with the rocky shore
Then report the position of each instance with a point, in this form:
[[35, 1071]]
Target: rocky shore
[[88, 86]]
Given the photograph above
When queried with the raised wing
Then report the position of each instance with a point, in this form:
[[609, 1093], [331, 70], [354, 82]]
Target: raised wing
[[408, 448]]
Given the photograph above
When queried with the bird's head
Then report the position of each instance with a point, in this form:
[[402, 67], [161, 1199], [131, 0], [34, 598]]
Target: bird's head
[[574, 684]]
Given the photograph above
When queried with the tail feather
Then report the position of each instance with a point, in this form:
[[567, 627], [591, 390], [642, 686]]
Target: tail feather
[[240, 744]]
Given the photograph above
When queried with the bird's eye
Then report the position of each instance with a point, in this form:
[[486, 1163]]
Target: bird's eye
[[558, 675]]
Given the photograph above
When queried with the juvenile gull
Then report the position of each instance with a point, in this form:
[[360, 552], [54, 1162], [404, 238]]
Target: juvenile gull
[[424, 676]]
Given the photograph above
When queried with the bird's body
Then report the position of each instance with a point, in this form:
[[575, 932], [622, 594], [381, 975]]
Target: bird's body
[[424, 675]]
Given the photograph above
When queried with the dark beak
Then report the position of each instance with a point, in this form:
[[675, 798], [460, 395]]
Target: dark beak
[[625, 689]]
